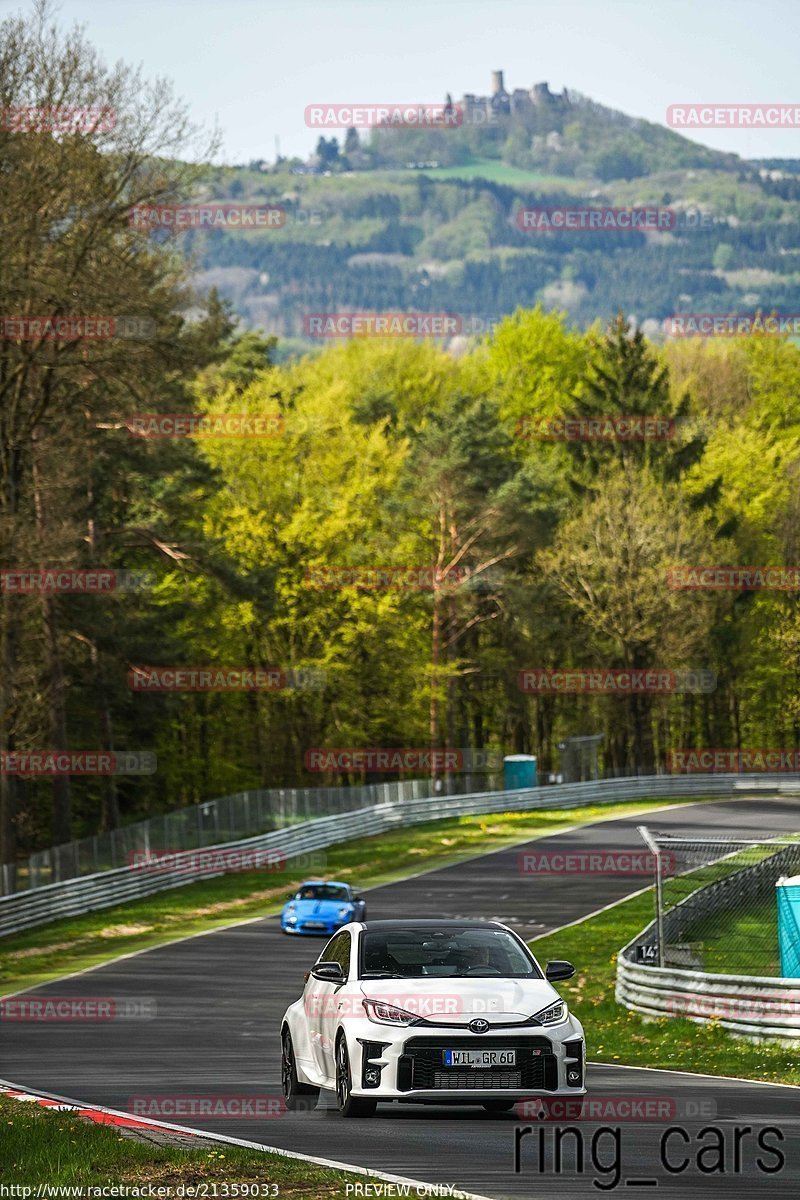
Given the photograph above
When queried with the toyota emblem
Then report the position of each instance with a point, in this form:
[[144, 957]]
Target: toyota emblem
[[478, 1025]]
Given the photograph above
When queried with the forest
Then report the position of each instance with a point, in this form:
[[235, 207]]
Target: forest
[[498, 552]]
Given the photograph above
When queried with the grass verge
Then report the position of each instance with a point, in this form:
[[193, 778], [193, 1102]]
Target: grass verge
[[73, 944], [615, 1035], [57, 1148]]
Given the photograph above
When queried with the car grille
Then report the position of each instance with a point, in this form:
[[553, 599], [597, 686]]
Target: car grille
[[469, 1078], [420, 1065]]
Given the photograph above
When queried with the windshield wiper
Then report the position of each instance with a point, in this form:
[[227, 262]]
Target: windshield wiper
[[382, 975]]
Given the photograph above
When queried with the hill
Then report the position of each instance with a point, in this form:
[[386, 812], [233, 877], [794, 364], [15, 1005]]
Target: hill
[[376, 231]]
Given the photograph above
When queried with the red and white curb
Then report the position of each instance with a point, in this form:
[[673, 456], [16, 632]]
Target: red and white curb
[[101, 1116], [112, 1116]]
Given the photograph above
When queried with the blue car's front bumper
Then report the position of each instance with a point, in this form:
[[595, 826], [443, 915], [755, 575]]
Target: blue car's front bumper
[[326, 928]]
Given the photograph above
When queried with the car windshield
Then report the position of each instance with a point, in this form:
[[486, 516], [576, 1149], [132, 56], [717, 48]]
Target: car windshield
[[322, 891], [418, 953]]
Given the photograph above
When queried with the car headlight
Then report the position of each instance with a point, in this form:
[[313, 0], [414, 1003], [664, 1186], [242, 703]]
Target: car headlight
[[291, 919], [554, 1014], [388, 1014], [344, 912]]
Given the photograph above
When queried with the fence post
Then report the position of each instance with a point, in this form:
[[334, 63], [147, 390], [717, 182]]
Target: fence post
[[655, 849]]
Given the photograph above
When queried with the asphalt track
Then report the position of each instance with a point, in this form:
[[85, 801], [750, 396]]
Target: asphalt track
[[220, 998]]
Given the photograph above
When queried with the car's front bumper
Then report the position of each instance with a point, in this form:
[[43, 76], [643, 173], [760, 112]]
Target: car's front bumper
[[329, 928], [408, 1062]]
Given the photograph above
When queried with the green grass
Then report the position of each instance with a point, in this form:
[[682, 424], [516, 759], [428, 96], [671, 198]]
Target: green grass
[[615, 1035], [41, 1146], [742, 942], [55, 949]]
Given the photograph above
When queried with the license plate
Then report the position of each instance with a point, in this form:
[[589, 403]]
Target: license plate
[[480, 1058], [315, 925]]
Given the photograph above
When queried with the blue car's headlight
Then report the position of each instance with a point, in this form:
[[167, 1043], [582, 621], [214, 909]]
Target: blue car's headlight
[[344, 912]]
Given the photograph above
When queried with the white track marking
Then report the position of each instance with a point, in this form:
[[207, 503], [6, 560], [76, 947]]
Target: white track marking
[[695, 1074], [423, 1188]]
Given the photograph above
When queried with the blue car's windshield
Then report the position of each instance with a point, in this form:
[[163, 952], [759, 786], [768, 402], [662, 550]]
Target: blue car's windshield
[[322, 891]]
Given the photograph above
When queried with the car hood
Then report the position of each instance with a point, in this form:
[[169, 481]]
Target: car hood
[[318, 908], [451, 1001]]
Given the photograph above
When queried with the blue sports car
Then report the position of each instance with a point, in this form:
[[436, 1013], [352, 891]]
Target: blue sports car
[[322, 906]]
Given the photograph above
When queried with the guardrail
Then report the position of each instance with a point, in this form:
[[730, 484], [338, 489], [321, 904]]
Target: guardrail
[[24, 910], [211, 823], [747, 1005]]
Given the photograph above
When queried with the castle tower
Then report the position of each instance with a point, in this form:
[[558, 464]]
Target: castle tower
[[497, 82]]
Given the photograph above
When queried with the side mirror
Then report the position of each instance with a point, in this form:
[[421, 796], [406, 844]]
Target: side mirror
[[291, 895], [559, 968], [331, 972], [358, 898]]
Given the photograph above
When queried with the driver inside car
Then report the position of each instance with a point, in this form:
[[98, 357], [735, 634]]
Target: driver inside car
[[381, 960]]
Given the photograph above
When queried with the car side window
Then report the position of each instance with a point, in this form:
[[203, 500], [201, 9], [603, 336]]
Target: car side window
[[338, 950]]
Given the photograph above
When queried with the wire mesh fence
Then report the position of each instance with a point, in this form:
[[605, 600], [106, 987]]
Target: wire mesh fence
[[213, 823], [717, 902]]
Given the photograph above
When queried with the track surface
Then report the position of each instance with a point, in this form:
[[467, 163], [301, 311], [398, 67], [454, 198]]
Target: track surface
[[220, 998]]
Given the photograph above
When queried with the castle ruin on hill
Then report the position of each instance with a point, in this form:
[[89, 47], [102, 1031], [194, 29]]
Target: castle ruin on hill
[[520, 103]]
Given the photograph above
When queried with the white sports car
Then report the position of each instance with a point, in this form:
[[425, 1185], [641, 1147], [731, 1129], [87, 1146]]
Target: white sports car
[[430, 1011]]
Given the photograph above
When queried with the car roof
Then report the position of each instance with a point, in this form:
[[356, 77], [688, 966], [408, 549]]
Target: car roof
[[427, 922], [320, 882]]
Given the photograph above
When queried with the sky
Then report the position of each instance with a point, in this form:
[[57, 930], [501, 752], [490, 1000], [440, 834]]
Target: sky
[[251, 66]]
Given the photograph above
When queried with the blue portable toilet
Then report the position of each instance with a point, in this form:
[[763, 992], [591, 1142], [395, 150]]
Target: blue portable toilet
[[788, 894], [519, 771]]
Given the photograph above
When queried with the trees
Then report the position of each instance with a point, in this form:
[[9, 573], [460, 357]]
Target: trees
[[70, 252], [611, 560]]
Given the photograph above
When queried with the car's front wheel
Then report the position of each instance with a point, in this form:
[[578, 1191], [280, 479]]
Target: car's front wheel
[[498, 1105], [349, 1105], [299, 1097]]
